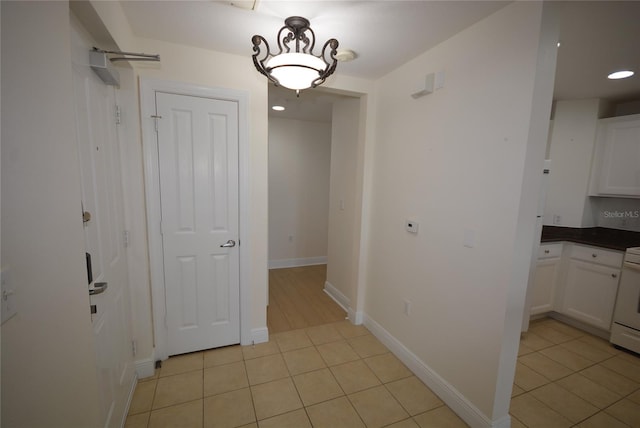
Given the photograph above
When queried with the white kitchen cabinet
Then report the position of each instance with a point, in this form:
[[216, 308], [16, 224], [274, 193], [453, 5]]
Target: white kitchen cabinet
[[616, 163], [591, 285], [545, 279]]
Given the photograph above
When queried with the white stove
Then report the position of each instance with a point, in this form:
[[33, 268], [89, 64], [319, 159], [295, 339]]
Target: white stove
[[625, 331]]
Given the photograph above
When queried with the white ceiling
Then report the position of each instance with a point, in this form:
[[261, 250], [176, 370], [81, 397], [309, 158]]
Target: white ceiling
[[384, 34], [596, 37]]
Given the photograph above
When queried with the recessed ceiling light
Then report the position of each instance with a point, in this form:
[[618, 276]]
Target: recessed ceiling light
[[277, 108], [622, 74]]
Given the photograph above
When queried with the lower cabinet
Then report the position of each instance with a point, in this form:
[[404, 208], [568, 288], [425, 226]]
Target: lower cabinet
[[590, 289], [578, 281], [544, 285]]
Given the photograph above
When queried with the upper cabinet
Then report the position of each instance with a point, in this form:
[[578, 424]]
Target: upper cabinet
[[616, 162]]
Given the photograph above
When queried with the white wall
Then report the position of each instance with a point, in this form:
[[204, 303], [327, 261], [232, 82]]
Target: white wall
[[628, 107], [48, 358], [608, 212], [344, 211], [460, 162], [0, 223], [572, 143], [299, 161]]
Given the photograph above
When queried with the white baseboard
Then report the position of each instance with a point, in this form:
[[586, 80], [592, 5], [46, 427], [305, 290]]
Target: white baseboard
[[305, 261], [356, 317], [344, 302], [447, 393], [146, 367], [259, 335], [337, 296]]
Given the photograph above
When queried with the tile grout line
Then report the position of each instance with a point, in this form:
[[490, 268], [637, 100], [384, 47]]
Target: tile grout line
[[621, 360], [246, 375], [594, 363]]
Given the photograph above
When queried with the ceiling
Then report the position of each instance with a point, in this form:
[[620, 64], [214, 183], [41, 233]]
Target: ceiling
[[597, 37]]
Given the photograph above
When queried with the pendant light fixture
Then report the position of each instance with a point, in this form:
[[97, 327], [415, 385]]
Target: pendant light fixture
[[295, 66]]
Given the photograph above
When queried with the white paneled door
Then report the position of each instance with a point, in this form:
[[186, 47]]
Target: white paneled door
[[198, 167], [103, 206]]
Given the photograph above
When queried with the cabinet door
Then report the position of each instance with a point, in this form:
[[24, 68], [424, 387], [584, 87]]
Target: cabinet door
[[620, 169], [590, 293], [544, 285]]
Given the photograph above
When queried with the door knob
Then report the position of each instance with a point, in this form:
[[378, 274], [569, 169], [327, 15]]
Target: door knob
[[230, 243], [98, 288]]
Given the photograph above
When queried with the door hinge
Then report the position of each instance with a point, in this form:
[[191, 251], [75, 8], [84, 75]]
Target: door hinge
[[118, 115], [134, 348], [161, 229], [125, 236], [155, 118]]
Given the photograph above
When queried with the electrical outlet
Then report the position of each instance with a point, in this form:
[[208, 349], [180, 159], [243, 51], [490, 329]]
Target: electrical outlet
[[557, 219]]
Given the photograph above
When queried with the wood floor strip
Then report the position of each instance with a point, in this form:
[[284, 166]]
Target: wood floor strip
[[297, 299]]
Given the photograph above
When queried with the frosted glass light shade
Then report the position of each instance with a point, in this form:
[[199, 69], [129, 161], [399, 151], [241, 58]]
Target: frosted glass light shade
[[622, 74], [296, 70]]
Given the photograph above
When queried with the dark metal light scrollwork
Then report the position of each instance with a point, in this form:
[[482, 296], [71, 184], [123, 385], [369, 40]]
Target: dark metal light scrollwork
[[296, 32]]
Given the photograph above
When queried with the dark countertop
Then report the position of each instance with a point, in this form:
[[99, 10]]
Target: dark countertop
[[614, 239]]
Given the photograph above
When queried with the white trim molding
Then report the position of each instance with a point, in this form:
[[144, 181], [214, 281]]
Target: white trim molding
[[146, 367], [148, 89], [132, 390], [303, 261], [259, 335], [356, 317], [343, 301], [450, 395]]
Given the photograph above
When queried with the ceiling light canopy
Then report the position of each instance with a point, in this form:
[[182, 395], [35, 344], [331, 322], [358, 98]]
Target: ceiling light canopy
[[622, 74], [295, 67]]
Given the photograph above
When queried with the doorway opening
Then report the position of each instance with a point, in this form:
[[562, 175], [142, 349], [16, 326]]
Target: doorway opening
[[314, 213]]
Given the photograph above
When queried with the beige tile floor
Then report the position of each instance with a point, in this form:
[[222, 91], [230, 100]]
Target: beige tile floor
[[333, 375], [568, 378], [339, 375]]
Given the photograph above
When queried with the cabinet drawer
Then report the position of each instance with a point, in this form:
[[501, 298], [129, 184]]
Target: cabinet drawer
[[597, 255], [549, 250]]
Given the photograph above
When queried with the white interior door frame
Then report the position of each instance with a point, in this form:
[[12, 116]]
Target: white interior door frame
[[148, 89]]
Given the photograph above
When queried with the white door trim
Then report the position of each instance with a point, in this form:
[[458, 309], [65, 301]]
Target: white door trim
[[148, 88]]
